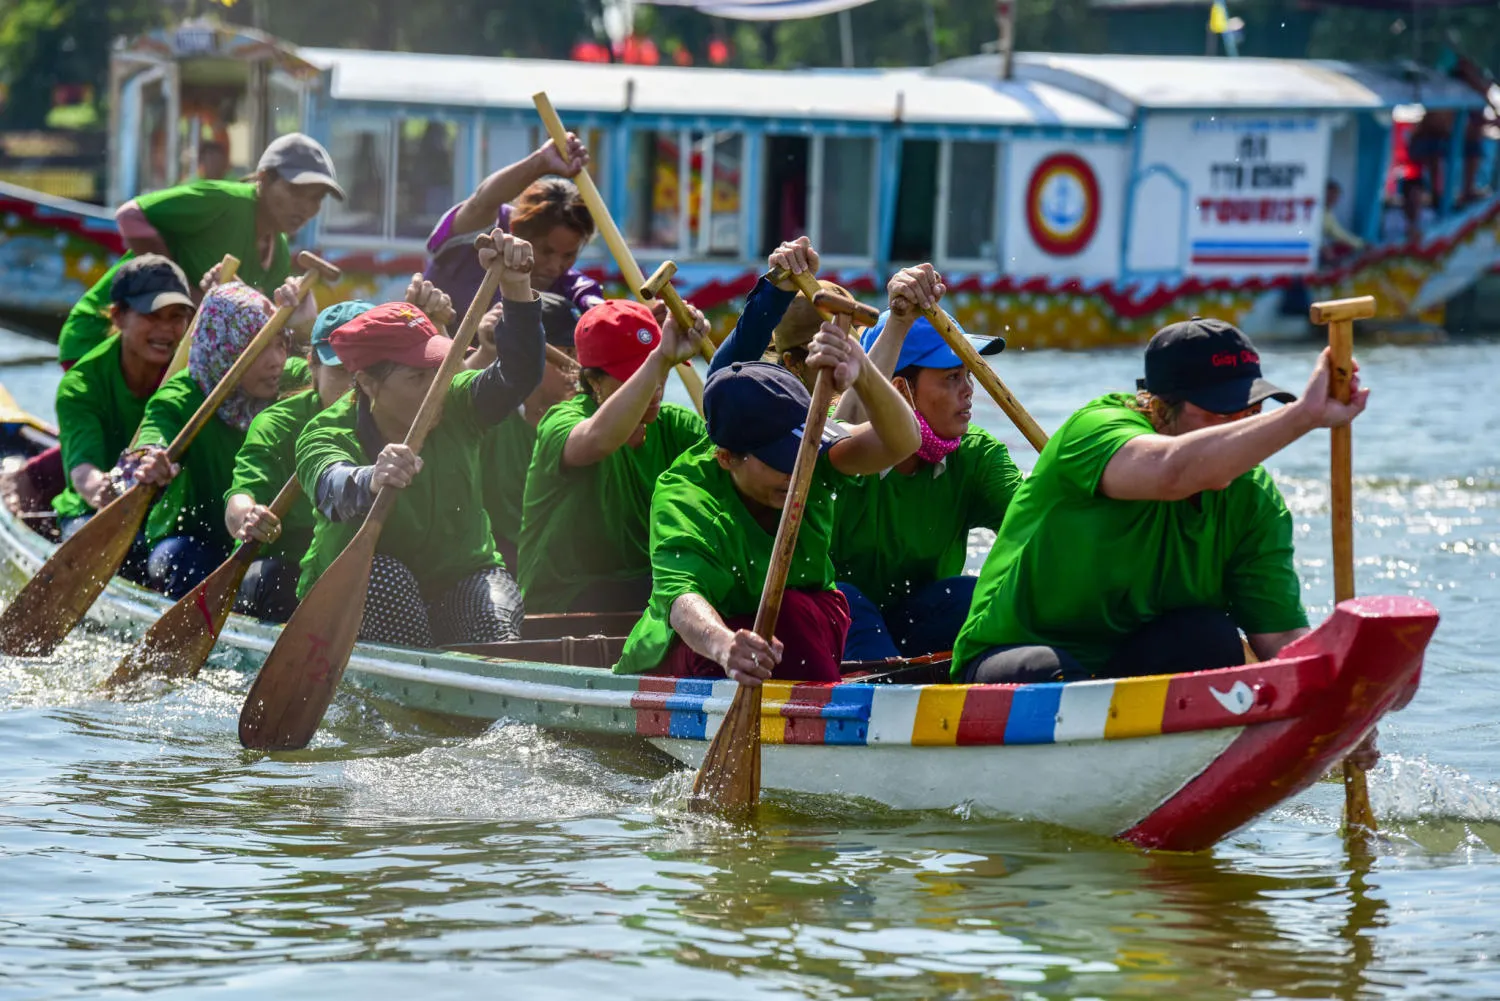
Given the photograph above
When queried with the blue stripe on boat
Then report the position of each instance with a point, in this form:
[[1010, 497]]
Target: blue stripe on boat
[[848, 714], [1033, 714]]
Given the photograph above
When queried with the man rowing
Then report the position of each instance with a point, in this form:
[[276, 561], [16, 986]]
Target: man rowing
[[436, 577], [532, 199], [715, 513], [583, 544], [196, 224], [901, 536], [101, 399], [1148, 534]]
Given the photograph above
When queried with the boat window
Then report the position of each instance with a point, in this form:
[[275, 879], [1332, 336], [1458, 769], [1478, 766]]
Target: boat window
[[657, 160], [361, 155], [846, 196], [785, 193], [916, 201], [717, 157], [969, 211], [426, 174]]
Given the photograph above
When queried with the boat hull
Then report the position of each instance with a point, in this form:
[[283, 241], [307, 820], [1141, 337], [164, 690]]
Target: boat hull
[[1169, 762]]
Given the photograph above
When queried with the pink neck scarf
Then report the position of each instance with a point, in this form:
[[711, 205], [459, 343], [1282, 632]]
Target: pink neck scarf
[[934, 449]]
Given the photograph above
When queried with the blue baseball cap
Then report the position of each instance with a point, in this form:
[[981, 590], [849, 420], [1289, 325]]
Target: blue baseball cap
[[331, 319], [925, 347], [755, 408]]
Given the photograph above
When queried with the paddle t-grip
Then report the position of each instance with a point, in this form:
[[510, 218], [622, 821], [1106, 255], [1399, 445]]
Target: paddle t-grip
[[652, 287], [311, 264], [841, 305]]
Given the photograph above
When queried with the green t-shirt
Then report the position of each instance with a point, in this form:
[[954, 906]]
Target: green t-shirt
[[507, 450], [268, 458], [1074, 569], [582, 524], [896, 533], [438, 527], [96, 416], [193, 503], [704, 541], [200, 223]]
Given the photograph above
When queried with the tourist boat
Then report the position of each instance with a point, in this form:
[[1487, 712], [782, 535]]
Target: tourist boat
[[1170, 762], [1083, 202]]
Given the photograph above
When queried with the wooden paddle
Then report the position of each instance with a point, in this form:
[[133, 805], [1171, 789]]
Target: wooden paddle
[[1002, 396], [11, 413], [728, 781], [615, 241], [292, 691], [1339, 315], [659, 286], [64, 589], [228, 268], [180, 641]]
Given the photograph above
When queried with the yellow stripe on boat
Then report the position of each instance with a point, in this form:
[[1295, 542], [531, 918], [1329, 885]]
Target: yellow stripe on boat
[[938, 713], [1137, 706]]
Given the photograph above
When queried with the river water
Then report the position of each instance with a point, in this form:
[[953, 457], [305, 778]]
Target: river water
[[143, 852]]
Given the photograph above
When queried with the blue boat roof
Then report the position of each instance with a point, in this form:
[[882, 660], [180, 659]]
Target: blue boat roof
[[916, 96]]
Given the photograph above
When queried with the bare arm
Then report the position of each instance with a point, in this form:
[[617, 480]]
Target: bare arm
[[1268, 645], [744, 656], [92, 484], [479, 210], [1174, 467], [892, 433], [248, 520], [137, 231], [910, 289], [599, 436]]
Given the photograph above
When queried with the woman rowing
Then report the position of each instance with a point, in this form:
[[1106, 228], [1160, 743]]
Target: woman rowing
[[715, 513], [264, 463], [1148, 534], [901, 537], [547, 213], [185, 527], [101, 399], [596, 461], [197, 224], [436, 577], [509, 444]]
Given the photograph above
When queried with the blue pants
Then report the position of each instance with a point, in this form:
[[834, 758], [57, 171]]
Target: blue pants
[[179, 562], [269, 590], [925, 621], [134, 567]]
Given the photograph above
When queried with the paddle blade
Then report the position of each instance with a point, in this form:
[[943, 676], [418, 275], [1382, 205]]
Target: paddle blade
[[292, 691], [180, 641], [728, 781], [63, 590]]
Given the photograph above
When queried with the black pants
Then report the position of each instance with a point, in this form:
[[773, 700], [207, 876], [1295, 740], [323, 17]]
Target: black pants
[[1187, 639], [269, 590], [629, 595]]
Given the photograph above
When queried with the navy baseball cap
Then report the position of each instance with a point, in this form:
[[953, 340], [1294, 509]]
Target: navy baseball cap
[[148, 283], [331, 319], [925, 347], [1210, 364], [756, 408]]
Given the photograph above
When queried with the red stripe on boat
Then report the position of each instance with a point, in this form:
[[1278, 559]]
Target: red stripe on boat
[[803, 710], [652, 717], [986, 712]]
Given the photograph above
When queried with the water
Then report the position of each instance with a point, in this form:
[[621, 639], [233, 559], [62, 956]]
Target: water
[[142, 851]]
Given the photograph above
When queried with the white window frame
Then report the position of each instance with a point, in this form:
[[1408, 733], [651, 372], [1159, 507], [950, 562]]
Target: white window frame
[[704, 246], [368, 122], [815, 201], [944, 198]]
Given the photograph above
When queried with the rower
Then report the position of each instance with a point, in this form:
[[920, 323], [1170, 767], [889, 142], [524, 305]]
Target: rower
[[509, 444], [715, 514], [102, 398], [268, 459], [901, 537], [548, 213], [596, 460], [196, 224], [1148, 534], [436, 577], [185, 527]]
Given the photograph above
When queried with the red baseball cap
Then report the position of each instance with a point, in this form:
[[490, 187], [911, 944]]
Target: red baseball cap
[[616, 336], [395, 332]]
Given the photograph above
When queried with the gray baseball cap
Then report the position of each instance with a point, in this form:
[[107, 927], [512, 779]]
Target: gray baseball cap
[[148, 283], [301, 159]]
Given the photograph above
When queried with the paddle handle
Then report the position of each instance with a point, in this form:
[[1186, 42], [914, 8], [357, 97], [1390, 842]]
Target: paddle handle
[[630, 271], [785, 546], [286, 497], [242, 364], [1341, 473], [1024, 422], [806, 283], [228, 268], [432, 403]]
